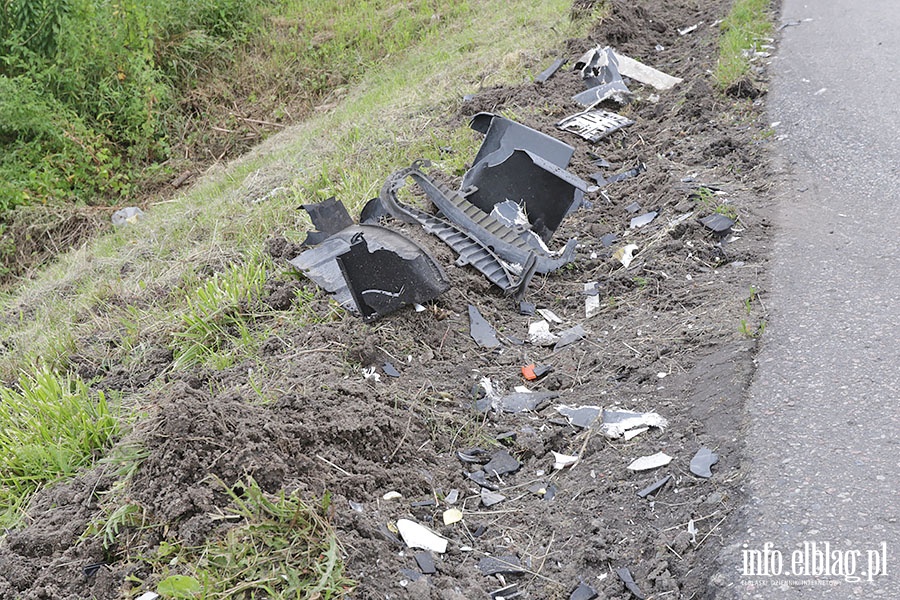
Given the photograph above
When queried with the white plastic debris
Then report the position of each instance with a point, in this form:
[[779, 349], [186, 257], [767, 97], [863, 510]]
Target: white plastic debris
[[418, 536], [617, 422], [625, 254], [633, 433], [419, 308], [549, 315], [148, 596], [392, 496], [539, 334], [692, 529], [452, 496], [640, 72], [452, 515], [127, 216], [591, 299], [654, 461], [489, 498], [521, 389], [561, 461]]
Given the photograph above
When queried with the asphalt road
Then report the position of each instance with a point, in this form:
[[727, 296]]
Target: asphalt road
[[823, 415]]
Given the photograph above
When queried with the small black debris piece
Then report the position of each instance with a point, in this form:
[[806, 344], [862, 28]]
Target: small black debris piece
[[627, 174], [594, 125], [583, 592], [328, 217], [501, 463], [608, 240], [373, 212], [410, 574], [509, 592], [426, 562], [630, 585], [91, 570], [717, 223], [423, 503], [551, 70], [633, 208], [480, 530], [598, 160], [598, 178], [702, 461], [654, 487], [507, 565], [526, 308], [389, 536], [480, 330], [551, 493], [481, 479], [389, 370]]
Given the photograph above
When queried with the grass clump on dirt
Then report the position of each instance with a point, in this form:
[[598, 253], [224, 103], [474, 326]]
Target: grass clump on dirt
[[51, 426], [746, 23], [280, 548]]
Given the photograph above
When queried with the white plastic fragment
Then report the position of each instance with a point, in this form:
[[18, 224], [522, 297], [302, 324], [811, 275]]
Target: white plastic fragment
[[452, 496], [591, 299], [539, 334], [625, 254], [633, 433], [419, 536], [393, 495], [419, 308], [371, 373], [617, 422], [549, 315], [489, 498], [692, 529], [640, 72], [452, 515], [148, 596], [654, 461], [561, 461], [521, 389]]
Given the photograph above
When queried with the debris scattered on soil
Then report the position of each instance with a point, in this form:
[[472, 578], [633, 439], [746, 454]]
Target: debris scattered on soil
[[419, 536], [654, 487], [616, 423], [480, 330], [626, 577], [127, 216], [654, 461], [703, 461]]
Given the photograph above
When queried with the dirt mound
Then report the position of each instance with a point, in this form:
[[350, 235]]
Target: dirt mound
[[670, 336]]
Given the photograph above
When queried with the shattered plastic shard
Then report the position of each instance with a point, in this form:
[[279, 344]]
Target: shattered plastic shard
[[583, 592], [417, 536], [717, 223], [501, 463], [548, 314], [503, 137], [594, 125], [489, 498], [654, 487], [627, 174], [702, 461], [561, 461], [328, 217], [426, 563], [520, 402], [452, 515], [580, 416], [617, 422], [642, 220], [480, 330], [600, 72], [389, 370], [509, 592], [551, 70], [625, 575], [654, 461], [508, 565], [539, 334], [570, 336], [638, 71]]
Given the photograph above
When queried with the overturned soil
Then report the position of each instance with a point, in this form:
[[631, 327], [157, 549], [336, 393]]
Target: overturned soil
[[675, 333]]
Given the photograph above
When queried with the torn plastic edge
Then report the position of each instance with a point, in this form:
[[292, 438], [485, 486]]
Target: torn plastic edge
[[654, 487], [480, 330], [355, 270], [625, 575], [328, 217], [551, 70], [548, 191], [503, 136]]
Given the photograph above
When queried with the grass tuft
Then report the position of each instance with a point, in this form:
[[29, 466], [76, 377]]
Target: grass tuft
[[50, 427], [745, 25]]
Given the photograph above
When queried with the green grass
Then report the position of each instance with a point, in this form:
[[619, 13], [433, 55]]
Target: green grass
[[280, 548], [50, 427], [746, 24]]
